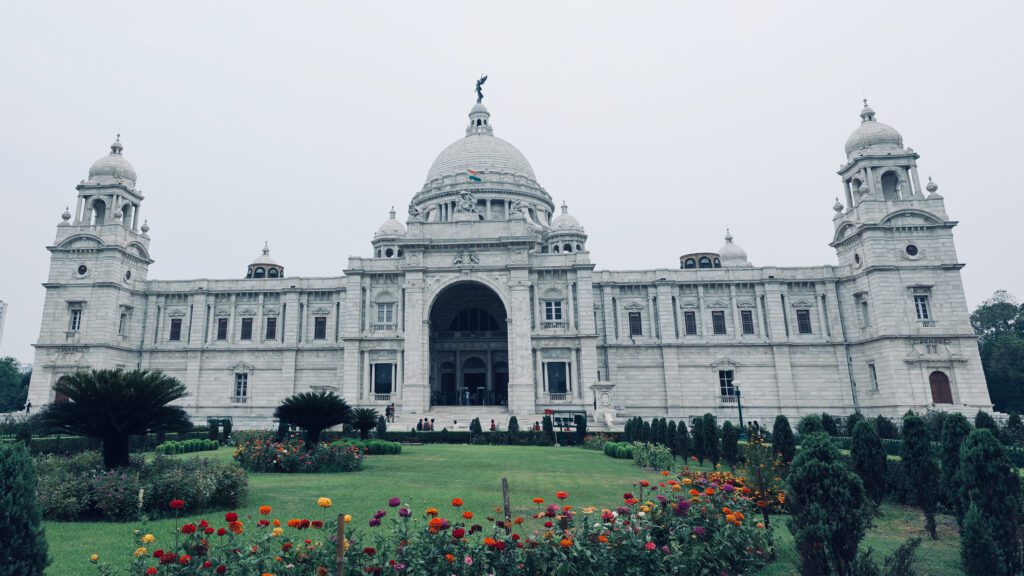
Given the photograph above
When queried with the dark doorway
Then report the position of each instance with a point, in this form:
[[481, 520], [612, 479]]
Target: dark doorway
[[941, 394]]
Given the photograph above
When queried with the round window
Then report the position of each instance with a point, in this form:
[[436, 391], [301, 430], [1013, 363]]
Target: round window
[[128, 275], [82, 270], [911, 250]]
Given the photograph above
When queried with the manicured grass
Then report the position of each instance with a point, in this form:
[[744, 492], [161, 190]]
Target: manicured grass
[[432, 475]]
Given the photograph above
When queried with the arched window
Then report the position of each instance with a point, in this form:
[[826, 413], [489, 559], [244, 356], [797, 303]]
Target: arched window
[[579, 247], [705, 262], [99, 212], [555, 249], [718, 263], [567, 248], [259, 272], [855, 184], [939, 382], [389, 253], [473, 320], [890, 186], [249, 273], [273, 273], [690, 263], [400, 253], [378, 252], [544, 249]]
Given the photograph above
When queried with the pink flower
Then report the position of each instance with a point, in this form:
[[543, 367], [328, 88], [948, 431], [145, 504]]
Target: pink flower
[[468, 561], [650, 546]]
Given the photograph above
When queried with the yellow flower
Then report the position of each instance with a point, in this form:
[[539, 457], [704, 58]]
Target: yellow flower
[[148, 538], [346, 543], [645, 509], [278, 531], [687, 481], [94, 557], [324, 503], [589, 510], [348, 518], [140, 552]]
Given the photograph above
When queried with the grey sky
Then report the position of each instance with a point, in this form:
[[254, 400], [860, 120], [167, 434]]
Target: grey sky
[[659, 123]]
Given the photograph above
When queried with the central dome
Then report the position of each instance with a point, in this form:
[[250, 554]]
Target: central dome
[[481, 152]]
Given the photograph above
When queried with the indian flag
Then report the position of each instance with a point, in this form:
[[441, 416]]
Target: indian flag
[[474, 175]]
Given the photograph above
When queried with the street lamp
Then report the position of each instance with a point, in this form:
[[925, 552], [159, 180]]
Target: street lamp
[[739, 406]]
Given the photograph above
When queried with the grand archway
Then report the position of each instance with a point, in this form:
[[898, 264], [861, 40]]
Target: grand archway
[[468, 347]]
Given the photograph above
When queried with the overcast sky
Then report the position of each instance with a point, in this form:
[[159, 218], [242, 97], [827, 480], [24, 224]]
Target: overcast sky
[[660, 124]]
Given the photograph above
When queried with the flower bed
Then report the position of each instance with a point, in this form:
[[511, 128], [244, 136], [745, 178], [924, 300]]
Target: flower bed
[[688, 524], [186, 446], [260, 453]]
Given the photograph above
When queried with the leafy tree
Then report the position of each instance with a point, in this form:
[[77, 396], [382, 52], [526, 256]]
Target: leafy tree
[[513, 426], [225, 427], [886, 428], [655, 431], [989, 483], [730, 443], [936, 421], [869, 460], [954, 433], [851, 422], [645, 431], [213, 433], [985, 420], [978, 549], [1014, 433], [364, 420], [828, 508], [783, 442], [699, 446], [113, 404], [670, 437], [712, 451], [921, 468], [682, 442], [25, 552], [810, 424], [548, 427], [828, 423], [581, 428], [999, 323], [382, 427], [315, 412], [13, 385]]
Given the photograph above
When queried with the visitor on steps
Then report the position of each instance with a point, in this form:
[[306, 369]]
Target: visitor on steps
[[536, 426], [419, 425], [493, 425]]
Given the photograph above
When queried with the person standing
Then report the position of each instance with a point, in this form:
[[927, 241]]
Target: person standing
[[494, 426], [393, 409], [419, 425], [28, 407]]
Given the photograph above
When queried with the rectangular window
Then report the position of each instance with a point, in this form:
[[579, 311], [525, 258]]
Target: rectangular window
[[241, 387], [122, 325], [222, 328], [246, 328], [383, 375], [553, 310], [385, 313], [175, 329], [76, 320], [922, 307], [271, 329], [636, 327], [558, 377], [690, 319], [803, 321], [874, 376], [725, 378], [865, 318], [718, 322], [747, 316], [320, 328]]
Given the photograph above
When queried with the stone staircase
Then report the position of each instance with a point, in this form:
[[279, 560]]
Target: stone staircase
[[459, 417]]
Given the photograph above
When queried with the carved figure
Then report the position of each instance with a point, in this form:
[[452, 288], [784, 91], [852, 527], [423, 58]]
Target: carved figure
[[480, 88], [467, 202], [458, 259], [473, 258], [515, 208], [414, 212]]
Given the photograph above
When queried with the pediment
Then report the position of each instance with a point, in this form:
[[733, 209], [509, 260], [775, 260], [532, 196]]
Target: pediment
[[270, 311], [744, 303], [247, 311], [385, 296], [634, 306], [242, 366], [725, 364], [320, 311], [717, 304], [910, 217], [176, 313], [689, 304], [802, 303], [552, 294]]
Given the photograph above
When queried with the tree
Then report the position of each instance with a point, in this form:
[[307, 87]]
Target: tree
[[783, 442], [1014, 433], [954, 433], [645, 431], [698, 440], [513, 426], [989, 483], [978, 549], [851, 422], [13, 385], [670, 437], [364, 420], [682, 442], [921, 468], [828, 508], [886, 428], [581, 428], [382, 427], [315, 412], [548, 427], [869, 460], [828, 423], [113, 404], [475, 427], [25, 552], [999, 323], [712, 451], [730, 443], [810, 424], [985, 420]]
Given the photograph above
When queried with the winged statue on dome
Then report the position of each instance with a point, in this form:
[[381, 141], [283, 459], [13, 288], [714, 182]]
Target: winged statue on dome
[[480, 88]]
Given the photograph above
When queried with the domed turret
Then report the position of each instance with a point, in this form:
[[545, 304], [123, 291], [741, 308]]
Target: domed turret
[[872, 134], [391, 227], [385, 241], [264, 266], [112, 168], [731, 255], [565, 234], [566, 221]]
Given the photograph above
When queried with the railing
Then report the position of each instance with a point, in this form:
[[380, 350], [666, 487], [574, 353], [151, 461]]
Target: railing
[[482, 334], [558, 396], [383, 327], [928, 323], [382, 397], [727, 399], [239, 399], [557, 325]]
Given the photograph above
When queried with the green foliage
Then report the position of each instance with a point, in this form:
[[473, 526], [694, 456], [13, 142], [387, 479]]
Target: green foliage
[[699, 445], [645, 431], [709, 430], [475, 427], [513, 425], [282, 430], [186, 446], [978, 549], [935, 421], [620, 450], [315, 412], [213, 433], [382, 426], [921, 468], [1014, 432], [828, 423], [374, 447], [548, 427], [683, 445], [999, 323], [24, 551], [886, 428], [256, 452], [13, 385], [985, 420], [810, 424], [828, 508], [954, 433], [989, 483], [113, 404], [851, 422], [581, 428], [869, 460], [730, 443], [783, 442], [225, 425], [364, 420], [651, 455]]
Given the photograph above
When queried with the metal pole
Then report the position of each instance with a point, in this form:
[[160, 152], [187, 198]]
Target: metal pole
[[339, 561], [739, 406]]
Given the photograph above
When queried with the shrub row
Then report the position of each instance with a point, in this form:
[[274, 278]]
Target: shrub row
[[79, 488], [621, 450], [895, 448], [78, 444], [186, 446], [378, 447]]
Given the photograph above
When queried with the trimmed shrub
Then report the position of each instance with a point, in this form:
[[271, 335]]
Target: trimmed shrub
[[886, 428], [645, 431], [783, 442], [513, 425], [921, 468], [985, 420], [978, 549], [989, 484], [619, 450], [25, 551], [699, 446], [683, 446], [475, 427], [851, 422], [827, 507], [712, 451], [869, 460], [581, 428], [810, 424], [548, 428], [186, 446], [828, 423], [225, 426], [954, 432], [730, 443], [213, 432], [382, 426], [670, 437]]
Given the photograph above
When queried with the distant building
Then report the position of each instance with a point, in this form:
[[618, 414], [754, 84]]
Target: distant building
[[486, 296]]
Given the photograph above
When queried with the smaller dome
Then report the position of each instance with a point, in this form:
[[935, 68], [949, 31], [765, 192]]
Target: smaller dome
[[113, 167], [390, 227], [872, 134], [265, 259], [566, 221], [264, 266], [731, 254]]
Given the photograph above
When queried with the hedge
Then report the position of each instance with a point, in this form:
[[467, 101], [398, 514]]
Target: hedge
[[79, 444], [186, 446], [621, 450]]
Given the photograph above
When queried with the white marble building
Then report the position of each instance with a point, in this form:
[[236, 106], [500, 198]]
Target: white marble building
[[487, 296]]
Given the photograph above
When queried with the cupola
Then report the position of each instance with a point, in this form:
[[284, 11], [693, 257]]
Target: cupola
[[264, 266]]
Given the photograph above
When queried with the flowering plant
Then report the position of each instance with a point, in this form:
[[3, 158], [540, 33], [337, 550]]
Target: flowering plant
[[260, 453]]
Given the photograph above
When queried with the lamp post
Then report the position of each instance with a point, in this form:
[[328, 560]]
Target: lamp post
[[739, 406]]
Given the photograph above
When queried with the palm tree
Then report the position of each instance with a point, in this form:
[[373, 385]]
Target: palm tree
[[364, 420], [314, 412], [113, 404]]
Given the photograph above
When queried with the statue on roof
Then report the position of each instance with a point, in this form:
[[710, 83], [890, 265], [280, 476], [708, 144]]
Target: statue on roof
[[480, 88]]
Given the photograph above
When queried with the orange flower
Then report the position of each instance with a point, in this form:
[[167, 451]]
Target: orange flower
[[456, 502], [664, 472], [538, 500], [435, 525], [276, 522], [467, 515], [709, 491], [449, 557], [235, 527], [518, 520], [566, 543], [760, 524], [488, 541], [726, 510], [602, 539], [694, 492], [730, 518], [562, 495], [264, 510], [432, 512]]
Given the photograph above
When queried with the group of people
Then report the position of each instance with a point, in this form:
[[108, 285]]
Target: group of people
[[389, 413], [425, 425]]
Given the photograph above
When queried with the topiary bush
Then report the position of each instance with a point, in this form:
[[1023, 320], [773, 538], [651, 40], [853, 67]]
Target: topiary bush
[[513, 425], [810, 424], [851, 422], [783, 442], [683, 445], [886, 428], [921, 468], [709, 437], [869, 460], [25, 551], [955, 430], [828, 423], [730, 443], [186, 446]]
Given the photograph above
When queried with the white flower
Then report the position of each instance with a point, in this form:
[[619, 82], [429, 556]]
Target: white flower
[[641, 514]]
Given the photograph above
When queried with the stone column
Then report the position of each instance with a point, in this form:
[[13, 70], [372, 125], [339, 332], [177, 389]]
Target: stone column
[[918, 191], [521, 399], [737, 325], [416, 382]]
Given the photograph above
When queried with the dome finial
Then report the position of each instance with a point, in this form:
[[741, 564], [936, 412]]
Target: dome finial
[[866, 113], [116, 147], [838, 206], [728, 236], [392, 213], [266, 248], [565, 207]]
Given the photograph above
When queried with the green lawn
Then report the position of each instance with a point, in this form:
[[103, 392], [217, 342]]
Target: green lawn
[[433, 475]]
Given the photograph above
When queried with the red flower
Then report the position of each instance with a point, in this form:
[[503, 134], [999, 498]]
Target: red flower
[[650, 546], [458, 533], [645, 483], [369, 550], [221, 569], [207, 564], [231, 517], [456, 502], [151, 570], [184, 560], [208, 530], [561, 495], [203, 523], [188, 529], [221, 532], [158, 553], [169, 558], [317, 523], [176, 504]]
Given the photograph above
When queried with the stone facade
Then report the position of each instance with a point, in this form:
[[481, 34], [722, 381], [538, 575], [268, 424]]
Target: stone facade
[[485, 302]]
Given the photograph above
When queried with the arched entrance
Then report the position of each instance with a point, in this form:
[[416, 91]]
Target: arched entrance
[[941, 393], [468, 347]]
